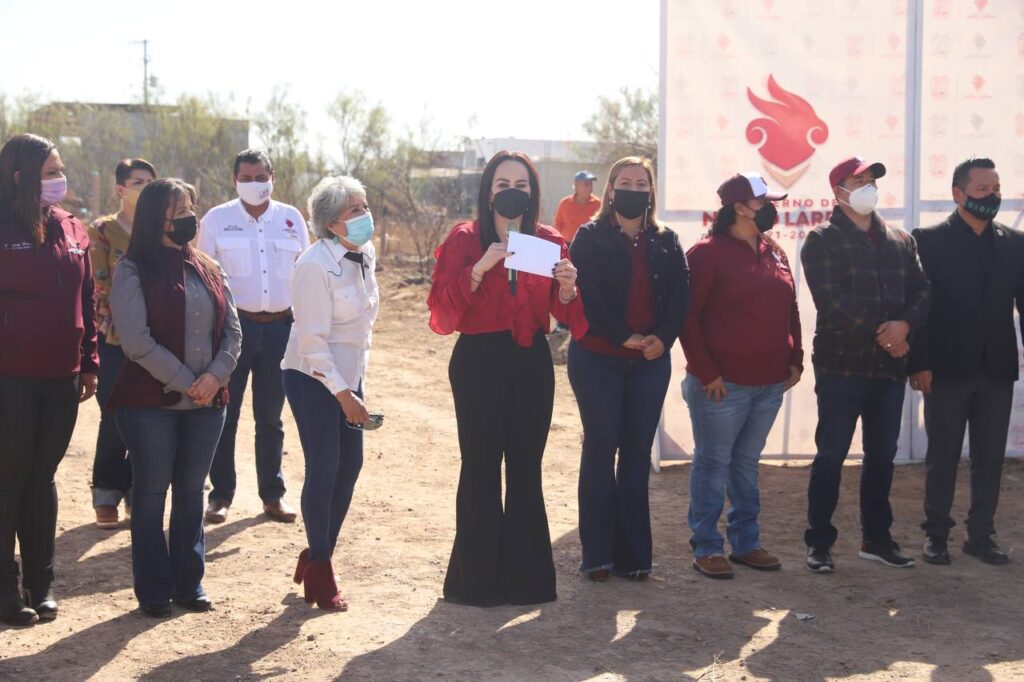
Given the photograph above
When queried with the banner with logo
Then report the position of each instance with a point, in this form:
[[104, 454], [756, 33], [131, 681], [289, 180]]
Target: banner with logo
[[788, 88]]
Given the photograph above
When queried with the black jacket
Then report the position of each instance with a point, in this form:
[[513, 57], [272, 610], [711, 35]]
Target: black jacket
[[970, 323], [605, 269]]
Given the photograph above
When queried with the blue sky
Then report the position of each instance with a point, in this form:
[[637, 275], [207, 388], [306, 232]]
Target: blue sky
[[528, 69]]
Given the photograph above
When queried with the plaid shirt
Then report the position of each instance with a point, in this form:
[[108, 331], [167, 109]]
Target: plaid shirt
[[856, 288]]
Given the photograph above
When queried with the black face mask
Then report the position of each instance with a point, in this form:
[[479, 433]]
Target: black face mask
[[184, 231], [511, 203], [765, 217], [631, 204], [984, 208]]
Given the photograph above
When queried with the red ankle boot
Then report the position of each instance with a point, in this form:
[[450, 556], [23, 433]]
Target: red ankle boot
[[318, 581], [300, 567]]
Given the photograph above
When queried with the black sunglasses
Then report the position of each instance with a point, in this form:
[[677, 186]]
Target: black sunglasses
[[373, 422]]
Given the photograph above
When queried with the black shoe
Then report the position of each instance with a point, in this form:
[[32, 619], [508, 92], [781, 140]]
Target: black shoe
[[198, 605], [936, 551], [888, 552], [988, 551], [13, 610], [42, 602], [157, 610], [819, 560]]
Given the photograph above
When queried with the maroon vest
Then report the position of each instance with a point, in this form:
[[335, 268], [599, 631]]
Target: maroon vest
[[165, 307]]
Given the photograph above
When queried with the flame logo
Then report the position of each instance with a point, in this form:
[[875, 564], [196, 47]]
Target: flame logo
[[789, 135]]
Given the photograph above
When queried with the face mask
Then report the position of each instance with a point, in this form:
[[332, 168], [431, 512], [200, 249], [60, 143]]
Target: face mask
[[184, 230], [765, 217], [984, 208], [360, 229], [631, 204], [53, 191], [254, 193], [863, 199], [511, 203]]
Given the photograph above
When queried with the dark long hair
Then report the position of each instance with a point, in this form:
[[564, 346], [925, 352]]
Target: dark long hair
[[484, 211], [19, 201], [724, 219], [146, 244]]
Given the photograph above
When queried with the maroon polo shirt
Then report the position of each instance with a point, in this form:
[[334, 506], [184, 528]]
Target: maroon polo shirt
[[743, 324]]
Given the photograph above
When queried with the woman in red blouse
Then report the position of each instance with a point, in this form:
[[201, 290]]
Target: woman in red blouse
[[743, 351], [503, 383]]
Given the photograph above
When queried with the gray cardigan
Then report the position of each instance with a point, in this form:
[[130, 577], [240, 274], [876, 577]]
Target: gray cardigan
[[128, 306]]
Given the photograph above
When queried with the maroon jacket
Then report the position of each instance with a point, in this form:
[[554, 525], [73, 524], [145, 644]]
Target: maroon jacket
[[165, 306], [47, 306]]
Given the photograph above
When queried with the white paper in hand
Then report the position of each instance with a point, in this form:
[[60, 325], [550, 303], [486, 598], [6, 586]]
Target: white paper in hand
[[532, 254]]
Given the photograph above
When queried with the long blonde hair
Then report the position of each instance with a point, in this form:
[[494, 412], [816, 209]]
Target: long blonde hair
[[606, 212]]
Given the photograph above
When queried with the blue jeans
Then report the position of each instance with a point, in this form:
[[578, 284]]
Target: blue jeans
[[169, 448], [878, 403], [263, 345], [620, 401], [111, 470], [728, 437], [334, 457]]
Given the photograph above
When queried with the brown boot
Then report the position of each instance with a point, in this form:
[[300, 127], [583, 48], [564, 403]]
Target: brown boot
[[279, 510], [320, 587], [106, 516], [759, 559], [216, 511], [300, 567], [714, 566]]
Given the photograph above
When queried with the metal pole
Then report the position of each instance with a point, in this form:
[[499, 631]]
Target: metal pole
[[912, 181]]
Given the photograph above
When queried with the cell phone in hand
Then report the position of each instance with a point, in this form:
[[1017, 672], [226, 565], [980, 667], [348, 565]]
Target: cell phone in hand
[[374, 421]]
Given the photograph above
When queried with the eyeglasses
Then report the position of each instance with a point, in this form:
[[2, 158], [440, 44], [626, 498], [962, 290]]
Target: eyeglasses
[[374, 421]]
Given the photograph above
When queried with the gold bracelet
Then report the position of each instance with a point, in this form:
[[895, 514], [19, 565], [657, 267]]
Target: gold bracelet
[[572, 298]]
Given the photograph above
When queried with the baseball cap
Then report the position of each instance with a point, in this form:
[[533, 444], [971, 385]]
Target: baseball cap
[[853, 166], [584, 175], [744, 186]]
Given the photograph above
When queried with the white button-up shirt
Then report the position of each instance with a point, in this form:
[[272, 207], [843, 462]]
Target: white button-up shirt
[[335, 305], [258, 255]]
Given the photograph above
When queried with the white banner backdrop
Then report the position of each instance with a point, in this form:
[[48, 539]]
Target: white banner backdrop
[[790, 87]]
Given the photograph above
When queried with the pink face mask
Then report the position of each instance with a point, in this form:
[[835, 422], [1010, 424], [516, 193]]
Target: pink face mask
[[53, 191]]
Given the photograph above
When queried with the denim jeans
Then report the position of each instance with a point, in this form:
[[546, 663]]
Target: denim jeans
[[620, 401], [263, 345], [334, 457], [111, 470], [169, 448], [728, 437], [842, 400]]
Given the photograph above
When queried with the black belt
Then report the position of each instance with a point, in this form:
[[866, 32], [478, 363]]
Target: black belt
[[265, 317]]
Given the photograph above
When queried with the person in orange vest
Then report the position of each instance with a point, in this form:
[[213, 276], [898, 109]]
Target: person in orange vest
[[578, 208]]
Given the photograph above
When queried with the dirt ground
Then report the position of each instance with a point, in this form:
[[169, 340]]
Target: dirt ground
[[961, 622]]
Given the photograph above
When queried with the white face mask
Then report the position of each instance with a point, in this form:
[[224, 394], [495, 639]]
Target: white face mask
[[863, 199], [254, 193]]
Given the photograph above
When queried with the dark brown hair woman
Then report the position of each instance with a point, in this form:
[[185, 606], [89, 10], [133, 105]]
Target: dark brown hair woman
[[47, 363], [181, 338], [503, 383]]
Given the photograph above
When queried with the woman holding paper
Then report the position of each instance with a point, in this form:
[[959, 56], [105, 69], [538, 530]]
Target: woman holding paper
[[503, 383], [634, 283]]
